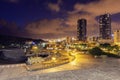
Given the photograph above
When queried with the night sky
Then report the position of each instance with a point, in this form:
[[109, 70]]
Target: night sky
[[54, 18]]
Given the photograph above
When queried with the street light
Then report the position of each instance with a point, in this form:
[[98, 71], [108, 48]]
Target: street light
[[53, 58], [34, 48]]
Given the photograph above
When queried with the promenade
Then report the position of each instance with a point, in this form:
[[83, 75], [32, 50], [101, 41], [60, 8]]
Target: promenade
[[83, 68]]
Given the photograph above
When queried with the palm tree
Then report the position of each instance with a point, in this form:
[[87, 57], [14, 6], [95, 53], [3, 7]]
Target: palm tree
[[35, 50]]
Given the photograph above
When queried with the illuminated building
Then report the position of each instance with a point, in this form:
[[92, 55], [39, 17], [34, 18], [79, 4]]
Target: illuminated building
[[81, 29], [117, 37], [68, 39], [92, 38], [105, 26]]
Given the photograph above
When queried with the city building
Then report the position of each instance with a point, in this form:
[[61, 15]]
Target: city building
[[117, 37], [91, 39], [68, 39], [81, 29], [105, 26], [103, 41]]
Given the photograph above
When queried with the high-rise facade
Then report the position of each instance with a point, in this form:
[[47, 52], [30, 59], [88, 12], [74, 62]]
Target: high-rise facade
[[117, 37], [105, 26], [81, 29]]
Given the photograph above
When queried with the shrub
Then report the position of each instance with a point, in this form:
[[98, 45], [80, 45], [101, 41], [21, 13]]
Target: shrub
[[112, 55], [96, 51]]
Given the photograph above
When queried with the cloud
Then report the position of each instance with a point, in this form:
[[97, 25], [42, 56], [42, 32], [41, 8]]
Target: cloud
[[50, 28], [115, 18], [55, 6], [55, 28], [91, 11], [8, 27], [92, 24], [45, 26], [100, 7], [115, 26], [11, 1], [14, 1]]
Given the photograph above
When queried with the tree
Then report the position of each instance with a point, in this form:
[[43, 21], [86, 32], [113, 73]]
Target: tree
[[96, 51], [105, 45]]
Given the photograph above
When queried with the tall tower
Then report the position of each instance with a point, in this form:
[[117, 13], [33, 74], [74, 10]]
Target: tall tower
[[105, 26], [117, 37], [81, 29]]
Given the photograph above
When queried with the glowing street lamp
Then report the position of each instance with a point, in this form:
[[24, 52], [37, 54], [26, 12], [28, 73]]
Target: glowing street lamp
[[53, 58], [34, 48]]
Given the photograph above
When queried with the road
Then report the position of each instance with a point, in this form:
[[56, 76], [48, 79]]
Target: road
[[84, 67]]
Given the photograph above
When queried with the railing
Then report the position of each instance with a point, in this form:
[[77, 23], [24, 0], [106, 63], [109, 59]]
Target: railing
[[48, 65], [12, 65]]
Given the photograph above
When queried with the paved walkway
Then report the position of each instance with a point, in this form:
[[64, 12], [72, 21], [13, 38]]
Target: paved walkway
[[86, 69]]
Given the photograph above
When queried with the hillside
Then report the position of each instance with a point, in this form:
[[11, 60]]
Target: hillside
[[5, 39]]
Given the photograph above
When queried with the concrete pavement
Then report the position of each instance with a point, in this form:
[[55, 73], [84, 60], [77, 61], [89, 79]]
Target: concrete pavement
[[84, 68]]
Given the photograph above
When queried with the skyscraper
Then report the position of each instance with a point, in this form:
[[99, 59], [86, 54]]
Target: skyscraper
[[117, 37], [105, 26], [81, 29]]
